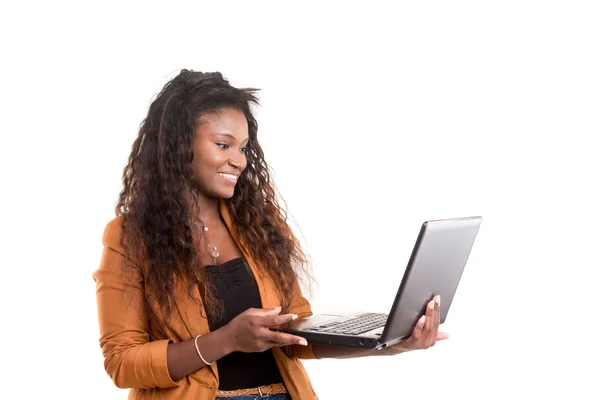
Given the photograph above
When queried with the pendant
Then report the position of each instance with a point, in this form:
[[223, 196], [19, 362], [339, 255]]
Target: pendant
[[215, 252], [205, 229]]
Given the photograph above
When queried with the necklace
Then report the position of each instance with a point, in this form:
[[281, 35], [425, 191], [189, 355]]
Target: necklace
[[214, 250]]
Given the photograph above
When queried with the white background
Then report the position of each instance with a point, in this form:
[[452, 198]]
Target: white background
[[374, 118]]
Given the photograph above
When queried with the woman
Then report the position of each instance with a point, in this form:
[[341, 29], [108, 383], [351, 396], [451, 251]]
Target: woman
[[200, 261]]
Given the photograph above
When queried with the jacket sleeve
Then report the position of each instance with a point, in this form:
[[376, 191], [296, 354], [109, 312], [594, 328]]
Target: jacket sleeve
[[130, 359], [301, 307]]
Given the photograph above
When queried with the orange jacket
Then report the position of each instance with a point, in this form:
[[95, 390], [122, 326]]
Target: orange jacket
[[135, 350]]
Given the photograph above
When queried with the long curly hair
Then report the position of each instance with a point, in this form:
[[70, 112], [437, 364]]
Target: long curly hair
[[158, 214]]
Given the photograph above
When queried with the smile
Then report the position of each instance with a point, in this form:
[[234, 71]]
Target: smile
[[229, 177]]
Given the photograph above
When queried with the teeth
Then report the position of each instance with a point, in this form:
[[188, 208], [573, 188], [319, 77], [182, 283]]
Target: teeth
[[228, 176]]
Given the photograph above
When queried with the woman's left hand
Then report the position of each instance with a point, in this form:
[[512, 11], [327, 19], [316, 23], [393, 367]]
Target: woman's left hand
[[425, 334]]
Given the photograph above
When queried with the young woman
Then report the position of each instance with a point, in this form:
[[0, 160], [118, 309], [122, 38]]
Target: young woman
[[200, 261]]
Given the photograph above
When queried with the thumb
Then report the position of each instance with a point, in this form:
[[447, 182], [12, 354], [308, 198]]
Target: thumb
[[442, 336]]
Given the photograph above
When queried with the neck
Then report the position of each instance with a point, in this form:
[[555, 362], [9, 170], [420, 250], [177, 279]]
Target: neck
[[208, 208]]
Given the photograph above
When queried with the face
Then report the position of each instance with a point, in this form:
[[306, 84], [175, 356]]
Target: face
[[220, 152]]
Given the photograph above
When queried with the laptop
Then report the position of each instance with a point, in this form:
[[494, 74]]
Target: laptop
[[435, 267]]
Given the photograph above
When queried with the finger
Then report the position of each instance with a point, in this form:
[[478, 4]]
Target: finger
[[267, 312], [263, 312], [442, 336], [283, 339], [429, 322], [418, 331], [277, 320], [436, 320]]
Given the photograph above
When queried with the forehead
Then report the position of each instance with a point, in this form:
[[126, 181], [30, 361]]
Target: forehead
[[223, 122]]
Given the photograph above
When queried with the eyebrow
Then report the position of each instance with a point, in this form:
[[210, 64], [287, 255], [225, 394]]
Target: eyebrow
[[226, 134]]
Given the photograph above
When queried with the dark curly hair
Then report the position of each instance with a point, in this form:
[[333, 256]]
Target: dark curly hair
[[156, 209]]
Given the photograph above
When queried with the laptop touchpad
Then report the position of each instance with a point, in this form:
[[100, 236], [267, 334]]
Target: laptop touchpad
[[314, 320]]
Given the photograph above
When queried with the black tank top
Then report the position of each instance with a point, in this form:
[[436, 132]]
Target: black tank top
[[237, 290]]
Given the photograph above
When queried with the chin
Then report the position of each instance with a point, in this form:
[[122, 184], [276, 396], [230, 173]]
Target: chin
[[226, 194], [218, 192]]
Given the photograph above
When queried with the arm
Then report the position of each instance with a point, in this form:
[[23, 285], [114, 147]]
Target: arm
[[183, 359], [248, 332], [130, 358]]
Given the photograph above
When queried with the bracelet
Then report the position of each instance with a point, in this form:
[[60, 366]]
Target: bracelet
[[198, 351]]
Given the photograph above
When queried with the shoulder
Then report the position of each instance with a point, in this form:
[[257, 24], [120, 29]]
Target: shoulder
[[121, 242], [112, 234], [115, 259]]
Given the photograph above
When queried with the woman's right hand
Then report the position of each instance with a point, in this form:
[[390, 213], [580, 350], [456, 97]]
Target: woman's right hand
[[249, 331]]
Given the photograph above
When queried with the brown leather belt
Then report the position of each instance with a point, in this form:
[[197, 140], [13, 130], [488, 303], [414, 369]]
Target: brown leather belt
[[262, 391]]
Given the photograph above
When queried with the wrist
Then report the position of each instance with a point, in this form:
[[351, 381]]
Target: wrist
[[226, 339], [213, 346]]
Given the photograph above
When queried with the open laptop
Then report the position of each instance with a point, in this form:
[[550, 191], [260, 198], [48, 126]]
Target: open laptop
[[434, 268]]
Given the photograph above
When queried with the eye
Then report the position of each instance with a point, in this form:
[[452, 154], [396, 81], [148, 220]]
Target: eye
[[244, 149], [223, 145]]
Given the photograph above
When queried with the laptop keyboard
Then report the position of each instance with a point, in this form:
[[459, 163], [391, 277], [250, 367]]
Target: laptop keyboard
[[353, 326]]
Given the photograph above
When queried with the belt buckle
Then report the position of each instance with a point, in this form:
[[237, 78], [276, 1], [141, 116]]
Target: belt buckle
[[260, 393]]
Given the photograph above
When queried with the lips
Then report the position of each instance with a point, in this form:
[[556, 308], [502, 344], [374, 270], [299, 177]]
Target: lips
[[231, 178]]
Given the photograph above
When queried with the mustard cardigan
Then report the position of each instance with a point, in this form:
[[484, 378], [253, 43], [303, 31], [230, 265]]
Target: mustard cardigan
[[135, 350]]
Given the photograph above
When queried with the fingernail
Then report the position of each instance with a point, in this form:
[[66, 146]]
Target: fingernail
[[422, 320], [294, 317], [303, 342], [438, 299], [431, 304], [278, 308]]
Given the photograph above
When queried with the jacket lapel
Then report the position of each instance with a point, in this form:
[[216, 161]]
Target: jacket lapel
[[192, 315]]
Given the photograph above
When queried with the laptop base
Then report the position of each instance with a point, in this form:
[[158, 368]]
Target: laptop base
[[366, 340]]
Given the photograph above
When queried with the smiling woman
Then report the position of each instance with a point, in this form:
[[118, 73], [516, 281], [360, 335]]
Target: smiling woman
[[200, 261]]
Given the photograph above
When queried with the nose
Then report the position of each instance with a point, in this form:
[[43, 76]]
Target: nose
[[237, 163]]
